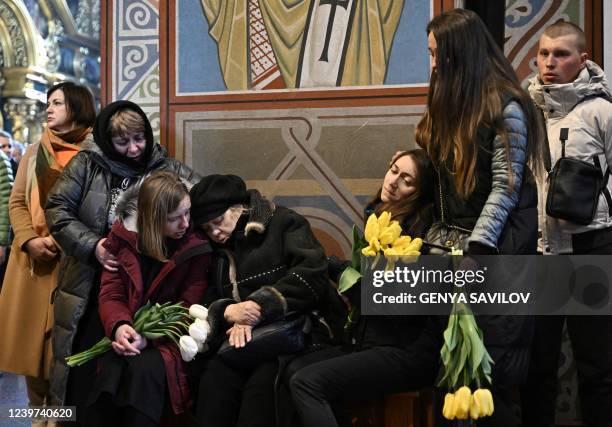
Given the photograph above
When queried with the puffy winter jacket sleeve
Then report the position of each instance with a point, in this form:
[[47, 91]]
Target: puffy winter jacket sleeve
[[113, 298], [305, 284], [601, 121], [62, 211], [504, 194], [6, 183]]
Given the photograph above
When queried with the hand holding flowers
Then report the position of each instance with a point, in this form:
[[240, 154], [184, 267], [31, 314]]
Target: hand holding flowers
[[381, 235], [153, 322], [127, 341]]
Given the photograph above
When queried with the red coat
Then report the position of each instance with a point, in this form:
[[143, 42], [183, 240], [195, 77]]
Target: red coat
[[182, 278]]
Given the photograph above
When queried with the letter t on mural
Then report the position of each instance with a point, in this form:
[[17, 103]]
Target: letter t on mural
[[274, 44]]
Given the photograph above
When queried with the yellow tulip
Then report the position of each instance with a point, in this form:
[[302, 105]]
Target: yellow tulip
[[402, 242], [384, 219], [485, 401], [390, 233], [475, 410], [416, 244], [372, 249], [463, 398], [391, 252], [448, 410], [372, 229]]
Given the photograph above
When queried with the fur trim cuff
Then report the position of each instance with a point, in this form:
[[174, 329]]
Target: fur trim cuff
[[254, 226], [273, 304], [216, 318]]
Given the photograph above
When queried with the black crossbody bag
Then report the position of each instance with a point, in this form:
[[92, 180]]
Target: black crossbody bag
[[574, 187]]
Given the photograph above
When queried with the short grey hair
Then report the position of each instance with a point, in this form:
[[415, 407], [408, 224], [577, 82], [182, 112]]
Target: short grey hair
[[6, 135], [18, 145]]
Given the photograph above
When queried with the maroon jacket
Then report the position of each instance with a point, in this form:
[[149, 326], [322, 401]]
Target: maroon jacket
[[182, 278]]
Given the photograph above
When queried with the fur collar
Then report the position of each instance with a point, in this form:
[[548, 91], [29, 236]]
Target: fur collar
[[260, 212], [126, 210]]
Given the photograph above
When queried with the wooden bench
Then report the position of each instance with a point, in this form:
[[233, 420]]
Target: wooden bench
[[406, 409]]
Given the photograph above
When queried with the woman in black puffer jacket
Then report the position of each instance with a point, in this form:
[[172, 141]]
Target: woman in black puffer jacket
[[79, 212]]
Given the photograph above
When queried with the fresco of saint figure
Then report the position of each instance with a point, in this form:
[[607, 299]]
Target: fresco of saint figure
[[274, 44]]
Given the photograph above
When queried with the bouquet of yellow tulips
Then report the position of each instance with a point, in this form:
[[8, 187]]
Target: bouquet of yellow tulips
[[381, 236], [465, 361]]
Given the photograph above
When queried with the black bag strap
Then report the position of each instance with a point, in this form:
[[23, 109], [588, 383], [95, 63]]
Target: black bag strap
[[604, 185], [547, 157], [563, 134]]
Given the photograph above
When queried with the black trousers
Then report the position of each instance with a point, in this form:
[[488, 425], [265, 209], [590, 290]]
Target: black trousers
[[360, 375], [373, 373], [230, 397], [128, 391], [81, 378], [591, 338]]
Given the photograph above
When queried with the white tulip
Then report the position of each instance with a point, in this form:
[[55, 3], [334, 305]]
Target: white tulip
[[198, 311], [197, 332], [188, 347], [204, 325]]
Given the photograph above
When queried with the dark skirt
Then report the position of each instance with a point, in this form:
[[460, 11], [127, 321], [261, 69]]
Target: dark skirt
[[137, 382]]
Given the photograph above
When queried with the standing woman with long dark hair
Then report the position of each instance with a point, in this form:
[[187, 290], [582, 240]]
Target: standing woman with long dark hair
[[481, 131], [26, 315]]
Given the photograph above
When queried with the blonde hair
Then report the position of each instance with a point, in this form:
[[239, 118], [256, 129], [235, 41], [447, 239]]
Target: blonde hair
[[125, 122], [159, 195]]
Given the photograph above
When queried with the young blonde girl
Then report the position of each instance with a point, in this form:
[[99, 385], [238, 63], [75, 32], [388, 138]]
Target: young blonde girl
[[161, 259]]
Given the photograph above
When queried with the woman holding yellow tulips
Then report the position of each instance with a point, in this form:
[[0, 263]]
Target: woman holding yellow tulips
[[480, 131], [382, 360]]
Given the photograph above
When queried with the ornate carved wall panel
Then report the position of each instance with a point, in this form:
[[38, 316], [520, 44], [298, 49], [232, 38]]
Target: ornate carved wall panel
[[42, 42]]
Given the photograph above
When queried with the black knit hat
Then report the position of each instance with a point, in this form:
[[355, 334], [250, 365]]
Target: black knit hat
[[214, 194]]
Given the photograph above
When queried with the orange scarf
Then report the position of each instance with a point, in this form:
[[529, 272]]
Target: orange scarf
[[54, 152]]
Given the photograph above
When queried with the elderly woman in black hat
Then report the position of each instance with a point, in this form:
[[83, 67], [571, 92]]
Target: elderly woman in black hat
[[268, 263]]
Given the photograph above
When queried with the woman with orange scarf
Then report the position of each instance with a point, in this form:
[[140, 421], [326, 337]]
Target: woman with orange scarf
[[26, 314]]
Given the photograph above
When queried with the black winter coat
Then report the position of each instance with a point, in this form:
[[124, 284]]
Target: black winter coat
[[77, 215], [278, 263]]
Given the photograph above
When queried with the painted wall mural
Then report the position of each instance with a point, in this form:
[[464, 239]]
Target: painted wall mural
[[255, 44], [135, 53]]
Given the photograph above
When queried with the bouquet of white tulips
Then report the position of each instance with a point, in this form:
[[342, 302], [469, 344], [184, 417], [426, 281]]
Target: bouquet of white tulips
[[192, 344], [157, 321]]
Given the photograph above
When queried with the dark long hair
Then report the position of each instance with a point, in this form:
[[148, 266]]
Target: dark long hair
[[419, 202], [469, 87]]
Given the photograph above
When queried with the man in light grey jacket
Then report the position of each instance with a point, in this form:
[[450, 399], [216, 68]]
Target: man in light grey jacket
[[572, 92]]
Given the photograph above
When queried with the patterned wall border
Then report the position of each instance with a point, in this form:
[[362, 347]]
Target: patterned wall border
[[130, 55]]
